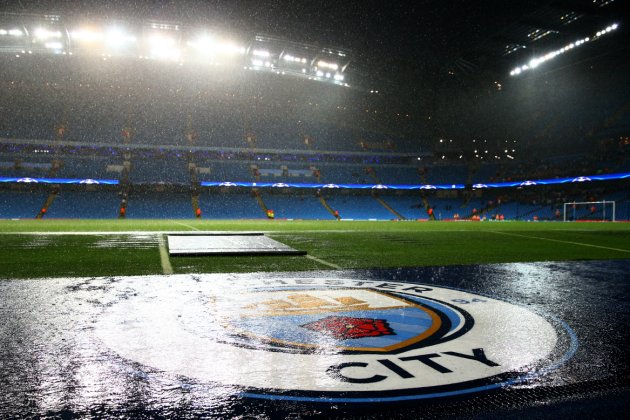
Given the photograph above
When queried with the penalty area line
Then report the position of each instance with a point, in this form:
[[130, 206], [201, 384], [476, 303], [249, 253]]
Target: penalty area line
[[561, 241], [167, 268], [335, 266]]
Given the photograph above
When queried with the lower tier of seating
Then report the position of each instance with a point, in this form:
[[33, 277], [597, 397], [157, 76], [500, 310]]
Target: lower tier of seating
[[245, 204]]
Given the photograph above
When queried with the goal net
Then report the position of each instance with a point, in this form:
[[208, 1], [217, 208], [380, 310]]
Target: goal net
[[596, 211]]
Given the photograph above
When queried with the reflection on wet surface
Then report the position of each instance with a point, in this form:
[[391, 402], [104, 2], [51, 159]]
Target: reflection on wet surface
[[135, 241], [124, 241], [54, 360]]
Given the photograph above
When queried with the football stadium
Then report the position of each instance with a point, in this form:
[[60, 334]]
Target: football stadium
[[272, 211]]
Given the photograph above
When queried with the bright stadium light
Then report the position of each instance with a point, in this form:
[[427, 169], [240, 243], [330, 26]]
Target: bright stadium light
[[117, 38], [327, 65], [164, 48], [44, 34], [204, 45], [291, 59], [208, 46], [159, 40], [257, 62], [54, 45], [86, 35], [536, 61], [228, 47], [261, 53], [11, 32]]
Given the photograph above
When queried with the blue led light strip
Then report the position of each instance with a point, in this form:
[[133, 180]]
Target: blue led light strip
[[554, 181], [88, 181], [527, 183]]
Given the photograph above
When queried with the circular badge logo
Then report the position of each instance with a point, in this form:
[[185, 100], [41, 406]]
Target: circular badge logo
[[331, 339]]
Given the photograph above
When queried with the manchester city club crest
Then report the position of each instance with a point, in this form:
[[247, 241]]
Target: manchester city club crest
[[337, 320], [334, 339]]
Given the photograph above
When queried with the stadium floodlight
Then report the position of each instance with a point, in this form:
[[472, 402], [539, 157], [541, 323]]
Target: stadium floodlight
[[228, 47], [86, 35], [261, 53], [54, 45], [117, 38], [164, 47], [203, 44], [11, 32], [536, 61], [257, 62], [43, 34], [292, 59], [208, 46], [339, 77], [160, 41], [320, 73], [327, 65]]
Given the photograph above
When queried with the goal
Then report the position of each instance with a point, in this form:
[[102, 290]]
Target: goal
[[596, 211]]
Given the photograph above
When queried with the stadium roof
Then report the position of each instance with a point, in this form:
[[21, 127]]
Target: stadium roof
[[403, 47], [431, 59], [548, 26]]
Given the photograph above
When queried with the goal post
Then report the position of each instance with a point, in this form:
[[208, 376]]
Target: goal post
[[596, 211]]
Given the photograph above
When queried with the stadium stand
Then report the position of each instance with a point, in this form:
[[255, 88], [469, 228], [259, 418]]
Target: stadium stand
[[359, 207], [258, 127], [84, 205], [408, 206], [170, 171], [290, 206], [160, 205], [20, 204], [222, 205]]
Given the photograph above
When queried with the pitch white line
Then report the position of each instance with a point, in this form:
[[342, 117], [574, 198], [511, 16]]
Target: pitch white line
[[175, 232], [103, 233], [274, 232], [561, 241], [184, 224], [310, 257], [167, 268]]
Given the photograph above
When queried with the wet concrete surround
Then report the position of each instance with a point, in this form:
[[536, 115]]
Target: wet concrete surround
[[537, 339]]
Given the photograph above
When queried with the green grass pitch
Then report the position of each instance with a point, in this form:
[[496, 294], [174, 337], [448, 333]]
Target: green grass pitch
[[61, 248]]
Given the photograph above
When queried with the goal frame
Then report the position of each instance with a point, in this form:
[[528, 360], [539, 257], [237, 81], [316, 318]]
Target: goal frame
[[564, 209]]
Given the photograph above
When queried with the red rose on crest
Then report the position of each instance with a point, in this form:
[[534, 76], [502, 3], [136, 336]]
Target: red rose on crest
[[342, 328]]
